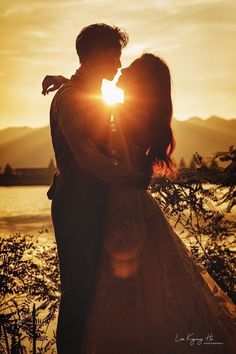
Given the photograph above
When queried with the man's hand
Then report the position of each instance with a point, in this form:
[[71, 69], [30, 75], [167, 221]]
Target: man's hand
[[51, 83]]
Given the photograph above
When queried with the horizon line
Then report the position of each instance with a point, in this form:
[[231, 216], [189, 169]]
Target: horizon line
[[174, 118]]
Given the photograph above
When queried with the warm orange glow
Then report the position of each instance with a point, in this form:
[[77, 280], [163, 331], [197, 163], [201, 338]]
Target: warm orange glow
[[124, 264], [112, 94]]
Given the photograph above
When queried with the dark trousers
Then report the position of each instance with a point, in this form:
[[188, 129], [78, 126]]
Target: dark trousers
[[79, 231]]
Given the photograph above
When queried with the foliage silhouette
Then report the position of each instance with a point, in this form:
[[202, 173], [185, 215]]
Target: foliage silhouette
[[29, 293], [199, 210]]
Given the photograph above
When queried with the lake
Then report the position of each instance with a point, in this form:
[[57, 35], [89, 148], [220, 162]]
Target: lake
[[24, 209]]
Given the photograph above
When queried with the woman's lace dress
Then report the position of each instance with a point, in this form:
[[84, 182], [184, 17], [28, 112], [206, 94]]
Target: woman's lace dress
[[152, 296]]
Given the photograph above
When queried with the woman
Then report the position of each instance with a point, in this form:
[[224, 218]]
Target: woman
[[152, 296]]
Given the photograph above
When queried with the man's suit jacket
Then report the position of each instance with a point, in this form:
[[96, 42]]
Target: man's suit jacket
[[70, 180]]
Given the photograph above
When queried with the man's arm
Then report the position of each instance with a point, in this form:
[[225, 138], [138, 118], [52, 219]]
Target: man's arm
[[84, 150]]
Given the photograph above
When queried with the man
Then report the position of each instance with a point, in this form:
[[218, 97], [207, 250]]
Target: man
[[79, 198]]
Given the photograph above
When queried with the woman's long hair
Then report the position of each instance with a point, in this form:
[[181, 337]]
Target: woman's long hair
[[161, 139]]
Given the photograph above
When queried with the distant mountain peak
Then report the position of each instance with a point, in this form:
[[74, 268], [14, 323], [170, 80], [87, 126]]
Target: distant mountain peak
[[194, 119], [32, 147]]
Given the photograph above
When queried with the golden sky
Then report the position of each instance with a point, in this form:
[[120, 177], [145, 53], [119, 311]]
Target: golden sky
[[196, 38]]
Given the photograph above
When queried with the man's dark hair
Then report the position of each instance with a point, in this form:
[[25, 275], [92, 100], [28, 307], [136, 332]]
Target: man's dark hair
[[102, 35]]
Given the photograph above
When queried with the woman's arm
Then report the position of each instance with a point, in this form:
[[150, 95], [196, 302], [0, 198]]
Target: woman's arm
[[85, 151], [52, 83]]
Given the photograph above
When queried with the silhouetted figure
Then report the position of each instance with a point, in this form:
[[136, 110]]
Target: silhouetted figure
[[78, 197]]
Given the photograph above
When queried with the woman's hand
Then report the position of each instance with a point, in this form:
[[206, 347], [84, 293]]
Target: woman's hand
[[52, 83]]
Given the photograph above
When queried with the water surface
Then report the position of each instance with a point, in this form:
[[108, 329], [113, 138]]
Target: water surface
[[24, 209]]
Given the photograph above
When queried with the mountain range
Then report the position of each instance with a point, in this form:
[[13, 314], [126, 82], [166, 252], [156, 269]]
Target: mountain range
[[31, 147]]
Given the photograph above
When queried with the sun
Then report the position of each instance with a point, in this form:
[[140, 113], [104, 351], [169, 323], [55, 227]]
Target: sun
[[112, 94]]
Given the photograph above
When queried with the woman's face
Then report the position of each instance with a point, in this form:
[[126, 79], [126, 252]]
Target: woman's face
[[134, 81], [129, 79]]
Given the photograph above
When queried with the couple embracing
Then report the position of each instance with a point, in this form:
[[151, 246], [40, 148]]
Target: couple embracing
[[128, 283]]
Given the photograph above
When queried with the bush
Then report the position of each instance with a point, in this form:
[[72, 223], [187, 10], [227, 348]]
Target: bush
[[29, 294], [190, 208]]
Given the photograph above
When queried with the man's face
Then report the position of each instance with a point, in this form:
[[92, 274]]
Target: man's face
[[108, 62]]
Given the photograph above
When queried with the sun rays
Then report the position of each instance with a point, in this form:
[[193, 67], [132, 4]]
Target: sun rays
[[112, 94]]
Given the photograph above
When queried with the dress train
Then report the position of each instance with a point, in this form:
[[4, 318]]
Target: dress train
[[152, 295]]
